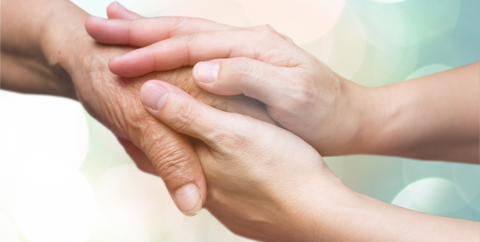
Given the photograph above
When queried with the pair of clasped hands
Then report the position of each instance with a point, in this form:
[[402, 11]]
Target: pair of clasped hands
[[241, 133], [256, 172]]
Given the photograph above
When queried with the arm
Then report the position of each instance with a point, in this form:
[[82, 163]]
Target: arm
[[50, 52], [433, 118], [25, 67], [267, 184]]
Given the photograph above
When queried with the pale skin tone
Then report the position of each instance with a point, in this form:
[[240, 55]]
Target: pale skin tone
[[295, 197], [45, 49], [417, 117], [435, 117], [267, 184]]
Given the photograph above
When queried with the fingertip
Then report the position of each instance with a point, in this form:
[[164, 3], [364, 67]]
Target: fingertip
[[91, 25], [122, 66], [113, 65], [205, 75], [115, 10], [189, 199], [153, 95], [132, 64], [206, 71]]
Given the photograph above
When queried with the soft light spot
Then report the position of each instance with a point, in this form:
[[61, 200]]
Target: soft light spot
[[54, 207], [227, 12], [135, 205], [303, 20], [428, 70], [8, 233], [464, 177], [387, 1], [430, 195], [42, 132], [349, 47]]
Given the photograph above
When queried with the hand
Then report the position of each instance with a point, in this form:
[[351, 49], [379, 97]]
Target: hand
[[267, 184], [302, 94], [115, 102], [262, 180]]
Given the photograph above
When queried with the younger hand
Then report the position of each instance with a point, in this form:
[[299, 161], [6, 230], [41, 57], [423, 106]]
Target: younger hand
[[263, 182], [302, 94]]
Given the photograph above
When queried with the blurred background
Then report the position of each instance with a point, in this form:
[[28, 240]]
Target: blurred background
[[86, 189]]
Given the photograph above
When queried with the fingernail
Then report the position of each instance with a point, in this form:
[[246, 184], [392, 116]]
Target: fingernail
[[154, 96], [189, 200], [206, 71], [120, 5]]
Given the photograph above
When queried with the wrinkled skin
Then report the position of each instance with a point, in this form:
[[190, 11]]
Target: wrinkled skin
[[115, 101]]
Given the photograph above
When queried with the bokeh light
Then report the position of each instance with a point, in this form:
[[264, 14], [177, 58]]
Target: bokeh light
[[137, 205], [430, 195], [227, 12], [321, 48], [463, 175], [57, 139], [349, 45], [54, 207], [8, 232], [52, 153], [431, 18], [392, 22], [301, 20], [388, 1], [428, 70]]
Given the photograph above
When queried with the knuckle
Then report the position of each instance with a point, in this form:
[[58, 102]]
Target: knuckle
[[171, 162], [302, 97], [169, 156], [189, 41], [266, 28], [176, 23], [243, 68], [236, 138], [185, 115]]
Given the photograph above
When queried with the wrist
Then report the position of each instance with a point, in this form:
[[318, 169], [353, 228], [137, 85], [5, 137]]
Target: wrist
[[368, 107], [62, 40], [313, 215]]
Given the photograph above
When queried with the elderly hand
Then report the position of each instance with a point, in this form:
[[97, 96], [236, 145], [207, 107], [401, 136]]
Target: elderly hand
[[302, 94], [115, 101]]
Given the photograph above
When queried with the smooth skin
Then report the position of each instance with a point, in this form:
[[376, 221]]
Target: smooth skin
[[267, 184], [323, 210], [335, 213], [45, 49], [435, 117]]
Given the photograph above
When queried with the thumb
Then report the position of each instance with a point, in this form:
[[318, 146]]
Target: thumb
[[262, 81], [138, 156], [117, 11], [184, 114]]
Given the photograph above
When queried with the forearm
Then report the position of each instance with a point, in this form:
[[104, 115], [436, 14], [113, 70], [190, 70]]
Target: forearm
[[435, 117], [31, 38], [369, 219], [350, 216]]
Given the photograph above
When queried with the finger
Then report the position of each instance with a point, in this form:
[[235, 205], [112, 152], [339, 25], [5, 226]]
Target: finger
[[138, 156], [142, 32], [117, 11], [176, 162], [267, 83], [189, 49], [184, 114]]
